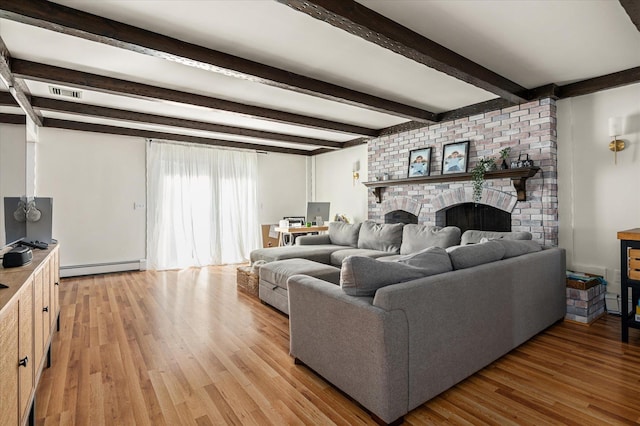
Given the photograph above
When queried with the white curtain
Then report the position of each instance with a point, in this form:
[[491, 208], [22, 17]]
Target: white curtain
[[201, 205]]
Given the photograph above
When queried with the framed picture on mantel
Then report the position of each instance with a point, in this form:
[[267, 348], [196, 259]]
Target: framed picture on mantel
[[455, 157], [419, 162]]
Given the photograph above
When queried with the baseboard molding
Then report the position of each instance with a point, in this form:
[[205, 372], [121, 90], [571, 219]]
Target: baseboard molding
[[103, 268]]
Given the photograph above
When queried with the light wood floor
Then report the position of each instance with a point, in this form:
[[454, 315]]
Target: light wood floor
[[185, 348]]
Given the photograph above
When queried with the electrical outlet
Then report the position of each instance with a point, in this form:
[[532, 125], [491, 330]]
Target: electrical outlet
[[138, 206]]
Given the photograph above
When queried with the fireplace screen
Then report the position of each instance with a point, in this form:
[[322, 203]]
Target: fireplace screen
[[478, 216], [400, 216]]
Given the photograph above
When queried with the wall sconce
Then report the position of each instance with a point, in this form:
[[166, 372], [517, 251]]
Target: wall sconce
[[615, 130], [356, 172]]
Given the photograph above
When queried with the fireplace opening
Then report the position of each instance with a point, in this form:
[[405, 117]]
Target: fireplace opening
[[478, 216], [400, 216]]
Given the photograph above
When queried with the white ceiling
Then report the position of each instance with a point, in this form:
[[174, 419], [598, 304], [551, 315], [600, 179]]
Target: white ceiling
[[532, 43]]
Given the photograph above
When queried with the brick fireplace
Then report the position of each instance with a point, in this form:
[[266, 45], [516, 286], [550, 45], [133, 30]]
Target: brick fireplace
[[528, 129]]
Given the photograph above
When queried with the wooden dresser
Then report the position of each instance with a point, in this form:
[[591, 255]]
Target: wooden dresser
[[629, 278], [29, 316]]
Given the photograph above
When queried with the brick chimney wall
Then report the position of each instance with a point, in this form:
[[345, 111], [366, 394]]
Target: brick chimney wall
[[528, 129]]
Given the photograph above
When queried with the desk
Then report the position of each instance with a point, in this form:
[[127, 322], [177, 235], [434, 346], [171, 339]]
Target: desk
[[299, 230]]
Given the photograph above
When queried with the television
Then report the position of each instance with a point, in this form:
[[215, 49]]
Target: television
[[317, 209]]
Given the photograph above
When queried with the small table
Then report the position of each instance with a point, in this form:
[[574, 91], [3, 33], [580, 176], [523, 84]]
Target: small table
[[630, 277], [295, 230]]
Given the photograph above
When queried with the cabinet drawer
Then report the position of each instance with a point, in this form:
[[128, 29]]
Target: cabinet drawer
[[634, 264]]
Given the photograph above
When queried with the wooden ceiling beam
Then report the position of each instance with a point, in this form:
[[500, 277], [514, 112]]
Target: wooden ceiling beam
[[632, 7], [369, 25], [48, 104], [609, 81], [148, 134], [479, 108], [17, 87], [12, 119], [6, 99], [66, 20], [48, 73]]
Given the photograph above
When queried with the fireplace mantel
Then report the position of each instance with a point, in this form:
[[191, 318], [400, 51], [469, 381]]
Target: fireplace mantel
[[518, 177]]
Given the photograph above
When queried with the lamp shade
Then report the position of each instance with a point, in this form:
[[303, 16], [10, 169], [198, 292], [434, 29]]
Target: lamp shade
[[615, 126]]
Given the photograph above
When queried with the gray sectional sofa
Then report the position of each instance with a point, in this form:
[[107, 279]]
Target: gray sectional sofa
[[362, 239], [395, 334], [322, 256], [393, 315]]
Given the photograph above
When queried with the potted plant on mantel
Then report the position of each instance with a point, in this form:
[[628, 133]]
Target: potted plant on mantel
[[477, 175]]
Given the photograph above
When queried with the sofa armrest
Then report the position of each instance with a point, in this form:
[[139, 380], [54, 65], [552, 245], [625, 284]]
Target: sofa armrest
[[360, 348], [312, 240], [463, 320]]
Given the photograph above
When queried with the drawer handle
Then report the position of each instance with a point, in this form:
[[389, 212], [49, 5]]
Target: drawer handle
[[57, 283], [45, 309], [23, 362]]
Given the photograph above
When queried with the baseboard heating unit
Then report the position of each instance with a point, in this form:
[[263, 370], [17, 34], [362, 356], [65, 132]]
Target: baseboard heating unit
[[102, 268]]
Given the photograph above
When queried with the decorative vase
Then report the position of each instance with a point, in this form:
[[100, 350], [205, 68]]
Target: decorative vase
[[504, 165]]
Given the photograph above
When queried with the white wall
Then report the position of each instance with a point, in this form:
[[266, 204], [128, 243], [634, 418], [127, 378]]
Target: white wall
[[12, 166], [333, 181], [282, 180], [596, 197], [94, 180], [12, 160]]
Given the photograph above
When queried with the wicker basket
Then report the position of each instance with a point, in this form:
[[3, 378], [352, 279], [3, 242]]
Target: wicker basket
[[247, 280]]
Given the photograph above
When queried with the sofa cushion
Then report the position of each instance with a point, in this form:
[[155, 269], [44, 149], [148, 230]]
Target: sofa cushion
[[473, 236], [418, 237], [434, 259], [468, 256], [338, 256], [344, 234], [362, 276], [313, 240], [317, 253], [277, 273], [515, 248], [380, 236]]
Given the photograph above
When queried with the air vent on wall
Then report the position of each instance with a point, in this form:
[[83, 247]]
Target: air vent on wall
[[59, 91]]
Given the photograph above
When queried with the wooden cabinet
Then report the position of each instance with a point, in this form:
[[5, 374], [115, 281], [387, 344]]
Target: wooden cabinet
[[8, 366], [54, 280], [26, 363], [45, 315], [630, 278], [26, 329], [38, 332]]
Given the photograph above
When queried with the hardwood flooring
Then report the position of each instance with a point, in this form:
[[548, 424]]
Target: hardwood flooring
[[186, 348]]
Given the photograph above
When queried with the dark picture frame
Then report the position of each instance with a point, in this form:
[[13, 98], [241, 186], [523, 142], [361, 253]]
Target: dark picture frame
[[419, 162], [455, 157]]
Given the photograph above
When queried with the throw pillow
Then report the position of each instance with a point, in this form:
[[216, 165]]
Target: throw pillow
[[418, 237], [363, 276], [380, 236], [344, 234], [475, 254]]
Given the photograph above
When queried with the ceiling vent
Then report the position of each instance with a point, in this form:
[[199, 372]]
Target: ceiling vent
[[59, 91]]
